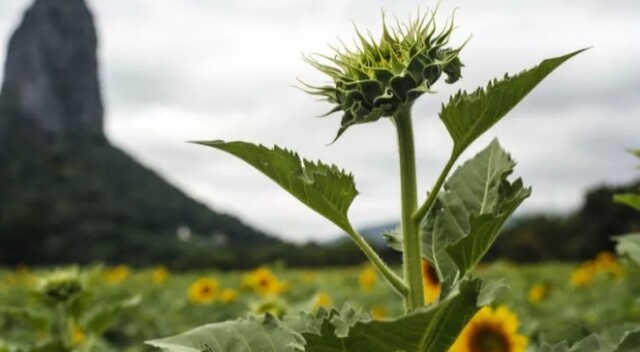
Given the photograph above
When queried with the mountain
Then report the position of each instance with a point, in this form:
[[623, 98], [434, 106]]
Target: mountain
[[66, 193]]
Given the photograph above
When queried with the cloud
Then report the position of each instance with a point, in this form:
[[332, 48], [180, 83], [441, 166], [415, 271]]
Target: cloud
[[191, 70]]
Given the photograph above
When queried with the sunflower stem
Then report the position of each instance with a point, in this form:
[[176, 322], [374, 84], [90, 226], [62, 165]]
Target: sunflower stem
[[409, 203]]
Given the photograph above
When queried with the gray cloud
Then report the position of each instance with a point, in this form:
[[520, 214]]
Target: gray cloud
[[192, 70]]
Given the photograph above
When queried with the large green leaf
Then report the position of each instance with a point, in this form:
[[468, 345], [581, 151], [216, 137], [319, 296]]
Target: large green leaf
[[469, 213], [243, 335], [469, 115], [324, 188], [428, 329], [37, 319], [630, 342], [629, 246], [103, 314], [588, 344], [630, 199]]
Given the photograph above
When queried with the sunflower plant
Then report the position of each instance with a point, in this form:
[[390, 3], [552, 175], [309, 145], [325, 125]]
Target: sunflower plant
[[629, 245], [442, 237]]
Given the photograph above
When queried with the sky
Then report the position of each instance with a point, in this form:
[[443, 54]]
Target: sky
[[175, 71]]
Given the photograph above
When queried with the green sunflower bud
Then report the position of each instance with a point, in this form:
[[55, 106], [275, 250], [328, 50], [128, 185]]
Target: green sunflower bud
[[61, 286], [379, 78]]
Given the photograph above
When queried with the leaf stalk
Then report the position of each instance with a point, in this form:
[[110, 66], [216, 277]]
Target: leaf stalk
[[392, 278], [435, 190]]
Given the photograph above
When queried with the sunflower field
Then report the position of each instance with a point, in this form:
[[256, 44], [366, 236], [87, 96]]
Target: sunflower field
[[548, 307]]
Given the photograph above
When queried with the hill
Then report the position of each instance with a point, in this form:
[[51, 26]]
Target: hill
[[68, 195]]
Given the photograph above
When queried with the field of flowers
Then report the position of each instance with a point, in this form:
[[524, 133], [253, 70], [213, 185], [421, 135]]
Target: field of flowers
[[118, 308]]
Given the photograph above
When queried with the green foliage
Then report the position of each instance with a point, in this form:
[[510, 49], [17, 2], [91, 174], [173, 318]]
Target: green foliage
[[629, 246], [323, 188], [428, 329], [60, 315], [469, 213], [243, 335], [468, 115], [632, 200], [628, 342]]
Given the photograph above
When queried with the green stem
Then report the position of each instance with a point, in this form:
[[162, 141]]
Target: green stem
[[433, 193], [408, 187], [394, 280], [63, 329]]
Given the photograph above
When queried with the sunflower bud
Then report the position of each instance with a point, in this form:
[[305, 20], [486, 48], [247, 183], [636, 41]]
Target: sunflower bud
[[379, 78], [61, 286]]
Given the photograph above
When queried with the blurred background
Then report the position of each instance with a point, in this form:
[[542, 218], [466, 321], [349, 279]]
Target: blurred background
[[99, 97]]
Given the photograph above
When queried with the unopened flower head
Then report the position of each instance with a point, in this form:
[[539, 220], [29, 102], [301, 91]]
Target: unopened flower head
[[379, 78], [61, 286]]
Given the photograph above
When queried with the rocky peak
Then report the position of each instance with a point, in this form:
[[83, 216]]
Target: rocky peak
[[50, 74]]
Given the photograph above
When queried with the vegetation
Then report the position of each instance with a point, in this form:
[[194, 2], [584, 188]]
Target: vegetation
[[118, 307]]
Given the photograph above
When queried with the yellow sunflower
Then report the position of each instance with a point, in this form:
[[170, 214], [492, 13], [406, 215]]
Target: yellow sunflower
[[264, 282], [491, 330], [538, 292], [322, 300], [608, 263], [379, 313], [77, 336], [368, 279], [431, 282], [117, 275], [228, 295], [204, 290], [584, 274], [159, 275]]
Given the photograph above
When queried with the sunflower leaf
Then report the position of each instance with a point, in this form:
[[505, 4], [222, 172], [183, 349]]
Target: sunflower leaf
[[470, 211], [590, 343], [629, 246], [629, 199], [629, 343], [324, 188], [469, 115], [243, 335], [427, 329]]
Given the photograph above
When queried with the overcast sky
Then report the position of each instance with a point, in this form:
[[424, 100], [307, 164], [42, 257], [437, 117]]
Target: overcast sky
[[200, 70]]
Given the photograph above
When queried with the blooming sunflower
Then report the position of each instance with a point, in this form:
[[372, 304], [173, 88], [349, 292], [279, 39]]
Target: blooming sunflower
[[431, 282], [78, 335], [264, 282], [491, 330], [117, 275], [538, 292], [607, 262], [228, 295], [204, 290], [368, 279], [159, 275], [322, 300], [583, 275]]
